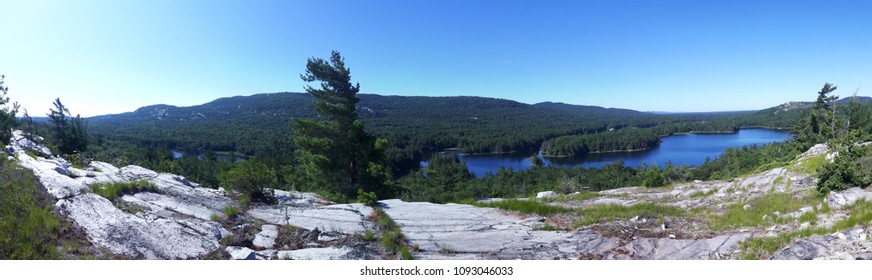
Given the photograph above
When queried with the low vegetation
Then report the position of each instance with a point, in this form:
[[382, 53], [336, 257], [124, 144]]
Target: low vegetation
[[761, 211], [28, 229], [609, 212], [530, 206], [763, 247], [115, 190], [392, 239]]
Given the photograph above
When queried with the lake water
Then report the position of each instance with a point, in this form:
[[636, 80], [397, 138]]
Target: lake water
[[690, 149]]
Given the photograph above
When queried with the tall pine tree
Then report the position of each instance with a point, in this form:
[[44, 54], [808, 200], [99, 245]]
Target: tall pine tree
[[334, 151], [70, 133], [820, 125]]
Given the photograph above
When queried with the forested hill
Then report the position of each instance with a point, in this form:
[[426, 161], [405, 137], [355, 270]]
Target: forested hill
[[786, 115], [259, 124]]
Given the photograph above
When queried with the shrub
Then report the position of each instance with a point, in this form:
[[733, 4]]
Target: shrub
[[367, 198], [231, 212], [844, 172], [250, 177], [654, 178]]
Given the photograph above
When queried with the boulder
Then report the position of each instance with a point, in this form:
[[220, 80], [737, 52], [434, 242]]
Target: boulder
[[842, 199], [546, 194]]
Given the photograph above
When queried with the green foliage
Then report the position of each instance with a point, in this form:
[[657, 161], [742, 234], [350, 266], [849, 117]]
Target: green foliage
[[70, 133], [7, 113], [525, 207], [392, 239], [231, 212], [251, 178], [762, 247], [611, 141], [114, 190], [28, 230], [767, 204], [699, 194], [820, 125], [367, 198], [597, 213], [334, 151], [845, 171], [736, 162], [654, 178]]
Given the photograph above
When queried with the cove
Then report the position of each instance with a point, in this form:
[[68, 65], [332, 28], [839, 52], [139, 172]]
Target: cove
[[690, 149]]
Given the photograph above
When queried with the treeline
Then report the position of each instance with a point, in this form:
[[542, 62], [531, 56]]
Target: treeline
[[414, 126], [634, 139], [631, 139]]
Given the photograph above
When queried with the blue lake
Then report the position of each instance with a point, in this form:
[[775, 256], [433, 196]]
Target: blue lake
[[690, 149]]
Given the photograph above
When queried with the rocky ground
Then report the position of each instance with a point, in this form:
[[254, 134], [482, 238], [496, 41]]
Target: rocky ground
[[718, 220]]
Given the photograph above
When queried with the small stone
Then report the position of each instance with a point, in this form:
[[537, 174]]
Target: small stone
[[804, 225], [746, 207], [636, 218], [840, 236], [672, 236], [776, 213]]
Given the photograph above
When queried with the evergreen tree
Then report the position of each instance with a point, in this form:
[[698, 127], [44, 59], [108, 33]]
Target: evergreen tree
[[7, 113], [70, 133], [335, 152], [820, 125]]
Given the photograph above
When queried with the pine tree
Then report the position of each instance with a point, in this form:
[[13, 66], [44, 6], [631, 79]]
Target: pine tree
[[820, 125], [70, 134], [823, 113], [335, 152], [7, 114]]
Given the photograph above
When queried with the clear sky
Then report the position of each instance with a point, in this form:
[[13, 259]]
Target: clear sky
[[104, 57]]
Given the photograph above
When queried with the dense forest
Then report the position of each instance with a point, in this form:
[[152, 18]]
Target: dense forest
[[282, 134], [259, 125]]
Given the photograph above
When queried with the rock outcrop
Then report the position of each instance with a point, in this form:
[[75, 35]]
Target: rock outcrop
[[172, 224], [176, 220]]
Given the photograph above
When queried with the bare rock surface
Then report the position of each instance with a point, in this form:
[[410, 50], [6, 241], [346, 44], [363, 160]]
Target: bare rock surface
[[266, 238], [447, 231], [343, 218], [847, 197], [850, 244], [172, 224]]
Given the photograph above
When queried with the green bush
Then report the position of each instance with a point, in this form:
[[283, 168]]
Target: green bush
[[654, 178], [367, 198], [251, 178], [844, 172], [231, 212]]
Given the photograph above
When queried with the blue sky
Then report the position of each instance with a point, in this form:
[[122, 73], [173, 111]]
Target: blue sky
[[104, 57]]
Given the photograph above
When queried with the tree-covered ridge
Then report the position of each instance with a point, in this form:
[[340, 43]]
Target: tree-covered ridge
[[631, 139]]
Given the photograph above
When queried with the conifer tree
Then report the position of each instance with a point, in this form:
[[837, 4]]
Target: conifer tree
[[7, 113], [335, 152]]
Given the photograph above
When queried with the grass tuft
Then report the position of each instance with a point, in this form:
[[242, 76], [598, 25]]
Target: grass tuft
[[525, 207], [594, 214], [115, 190]]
